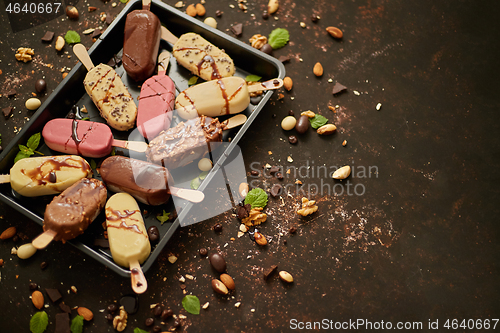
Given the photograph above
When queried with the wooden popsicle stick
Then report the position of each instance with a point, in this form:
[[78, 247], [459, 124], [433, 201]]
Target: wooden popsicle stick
[[4, 179], [168, 36], [44, 239], [81, 53], [267, 85], [233, 122], [146, 4], [138, 146], [139, 283], [163, 61], [187, 194]]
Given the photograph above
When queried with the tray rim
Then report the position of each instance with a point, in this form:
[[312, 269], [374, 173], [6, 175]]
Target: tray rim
[[25, 132]]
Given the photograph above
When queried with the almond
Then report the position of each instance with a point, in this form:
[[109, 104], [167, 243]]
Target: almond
[[326, 129], [191, 10], [219, 287], [228, 281], [37, 299], [318, 69], [200, 9], [335, 32], [85, 313], [8, 233], [259, 238], [272, 6], [288, 83]]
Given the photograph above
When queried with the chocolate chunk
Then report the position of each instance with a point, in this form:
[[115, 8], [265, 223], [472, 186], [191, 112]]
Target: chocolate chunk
[[109, 19], [237, 29], [338, 88], [292, 139], [109, 317], [203, 251], [314, 18], [268, 272], [96, 33], [130, 303], [290, 113], [276, 190], [265, 15], [266, 48], [11, 93], [65, 307], [48, 36], [217, 227], [218, 13], [101, 242], [284, 59], [53, 294], [166, 314], [218, 262], [62, 323], [242, 213], [153, 234], [112, 308], [274, 169], [254, 173], [7, 111], [43, 265]]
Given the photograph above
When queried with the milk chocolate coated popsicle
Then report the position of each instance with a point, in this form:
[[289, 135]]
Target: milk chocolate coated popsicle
[[199, 56], [141, 42], [219, 97], [146, 182], [128, 239], [36, 176], [108, 92], [69, 214]]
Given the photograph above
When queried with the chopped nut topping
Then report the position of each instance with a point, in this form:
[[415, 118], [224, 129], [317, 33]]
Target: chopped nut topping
[[308, 207], [24, 54], [255, 217]]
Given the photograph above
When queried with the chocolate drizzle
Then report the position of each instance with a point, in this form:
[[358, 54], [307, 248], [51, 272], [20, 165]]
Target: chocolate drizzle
[[46, 171], [116, 215]]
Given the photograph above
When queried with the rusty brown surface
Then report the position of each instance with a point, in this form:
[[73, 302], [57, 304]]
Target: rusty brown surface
[[420, 244]]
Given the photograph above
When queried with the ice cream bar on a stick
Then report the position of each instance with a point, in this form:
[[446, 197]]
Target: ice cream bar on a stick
[[141, 42], [219, 97], [36, 176], [108, 92], [156, 101], [70, 213], [199, 56], [86, 138], [188, 141], [128, 239], [146, 182]]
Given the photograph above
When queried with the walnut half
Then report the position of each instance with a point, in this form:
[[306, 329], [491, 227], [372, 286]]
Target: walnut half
[[24, 54], [257, 41], [255, 217], [308, 207], [120, 321]]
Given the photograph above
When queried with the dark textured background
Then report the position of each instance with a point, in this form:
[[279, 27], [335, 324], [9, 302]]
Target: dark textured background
[[420, 244]]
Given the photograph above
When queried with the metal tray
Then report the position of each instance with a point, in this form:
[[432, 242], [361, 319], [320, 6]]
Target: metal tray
[[71, 92]]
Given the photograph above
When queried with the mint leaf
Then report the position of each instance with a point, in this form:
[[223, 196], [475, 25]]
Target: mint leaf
[[257, 197], [113, 152], [195, 183], [318, 121], [278, 38], [25, 150], [203, 175], [72, 37], [192, 80], [77, 324], [123, 1], [163, 218], [253, 78], [34, 141], [191, 304], [20, 156], [138, 330], [85, 118], [93, 164], [39, 322]]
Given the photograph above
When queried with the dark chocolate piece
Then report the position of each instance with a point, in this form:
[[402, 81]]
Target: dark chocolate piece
[[7, 111], [237, 29], [275, 190], [48, 36], [203, 251], [274, 169], [53, 294], [242, 213], [64, 307], [268, 272], [62, 323], [337, 88], [284, 59], [109, 19], [96, 33]]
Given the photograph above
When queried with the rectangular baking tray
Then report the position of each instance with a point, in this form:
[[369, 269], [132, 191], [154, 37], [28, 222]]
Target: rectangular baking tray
[[71, 92]]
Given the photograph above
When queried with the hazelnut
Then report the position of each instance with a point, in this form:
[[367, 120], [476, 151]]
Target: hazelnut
[[72, 12]]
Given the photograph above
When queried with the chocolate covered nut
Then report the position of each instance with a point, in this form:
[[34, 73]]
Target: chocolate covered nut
[[218, 262]]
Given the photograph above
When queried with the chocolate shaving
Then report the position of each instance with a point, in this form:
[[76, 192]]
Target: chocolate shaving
[[7, 111], [337, 88], [48, 36], [268, 272], [237, 29], [53, 294]]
